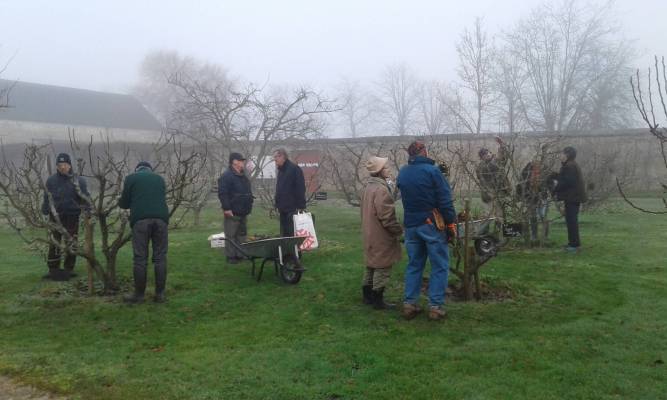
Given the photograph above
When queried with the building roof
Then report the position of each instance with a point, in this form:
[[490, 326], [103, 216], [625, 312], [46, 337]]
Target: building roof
[[39, 103]]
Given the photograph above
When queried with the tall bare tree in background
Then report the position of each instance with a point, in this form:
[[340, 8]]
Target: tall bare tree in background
[[475, 94], [432, 109], [398, 94], [567, 51], [651, 99], [356, 108]]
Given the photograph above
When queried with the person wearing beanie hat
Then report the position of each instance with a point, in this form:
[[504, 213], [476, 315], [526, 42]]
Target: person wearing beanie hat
[[571, 190], [235, 195], [145, 195], [65, 196], [380, 233], [427, 199], [492, 179]]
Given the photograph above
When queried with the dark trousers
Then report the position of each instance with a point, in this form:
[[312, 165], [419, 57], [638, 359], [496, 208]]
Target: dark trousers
[[287, 223], [155, 231], [71, 225], [572, 221], [236, 229]]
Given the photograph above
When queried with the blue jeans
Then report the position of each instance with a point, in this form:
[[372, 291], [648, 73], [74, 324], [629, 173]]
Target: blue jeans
[[421, 242]]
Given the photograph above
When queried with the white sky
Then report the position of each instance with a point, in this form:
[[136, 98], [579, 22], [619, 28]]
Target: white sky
[[99, 44]]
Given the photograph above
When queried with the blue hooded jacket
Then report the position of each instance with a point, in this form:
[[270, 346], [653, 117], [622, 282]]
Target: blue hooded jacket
[[423, 188]]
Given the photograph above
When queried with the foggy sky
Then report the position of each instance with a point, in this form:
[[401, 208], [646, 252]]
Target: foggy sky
[[99, 45]]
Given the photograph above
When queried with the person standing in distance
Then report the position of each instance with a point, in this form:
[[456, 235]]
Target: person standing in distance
[[236, 200], [290, 191]]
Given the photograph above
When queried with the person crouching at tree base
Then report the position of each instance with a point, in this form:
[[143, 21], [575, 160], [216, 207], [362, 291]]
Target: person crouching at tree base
[[236, 199], [380, 231], [428, 209], [571, 190], [64, 199], [144, 193]]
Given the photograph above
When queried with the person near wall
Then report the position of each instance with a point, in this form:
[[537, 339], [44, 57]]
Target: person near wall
[[428, 209], [290, 191], [64, 198], [571, 190], [236, 199], [145, 195], [534, 188], [492, 178], [380, 232]]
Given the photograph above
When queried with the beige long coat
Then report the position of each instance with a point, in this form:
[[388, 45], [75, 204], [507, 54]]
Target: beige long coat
[[379, 227]]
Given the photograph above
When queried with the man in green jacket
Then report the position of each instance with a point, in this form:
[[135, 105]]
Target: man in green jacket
[[144, 193]]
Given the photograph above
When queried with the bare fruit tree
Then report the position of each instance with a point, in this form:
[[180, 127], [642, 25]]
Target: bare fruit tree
[[356, 109], [651, 104], [398, 94], [104, 164]]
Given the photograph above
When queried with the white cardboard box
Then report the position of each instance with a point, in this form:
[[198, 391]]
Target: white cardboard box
[[217, 240]]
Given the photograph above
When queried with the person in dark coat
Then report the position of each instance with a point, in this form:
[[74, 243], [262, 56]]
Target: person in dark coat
[[236, 200], [290, 191], [428, 208], [571, 190], [64, 198], [145, 194], [491, 175]]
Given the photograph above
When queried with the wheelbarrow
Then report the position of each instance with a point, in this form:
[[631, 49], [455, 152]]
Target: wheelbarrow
[[282, 251]]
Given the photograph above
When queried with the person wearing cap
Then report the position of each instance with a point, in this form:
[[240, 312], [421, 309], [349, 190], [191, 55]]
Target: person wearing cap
[[492, 178], [427, 208], [65, 196], [571, 190], [145, 195], [236, 199], [290, 191], [380, 232]]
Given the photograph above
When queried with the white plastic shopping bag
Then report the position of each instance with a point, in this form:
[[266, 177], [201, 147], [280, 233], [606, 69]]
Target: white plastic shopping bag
[[303, 226]]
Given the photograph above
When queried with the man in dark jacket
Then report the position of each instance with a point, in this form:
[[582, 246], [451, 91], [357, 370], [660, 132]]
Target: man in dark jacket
[[236, 199], [492, 178], [428, 206], [290, 191], [64, 198], [144, 193], [572, 192]]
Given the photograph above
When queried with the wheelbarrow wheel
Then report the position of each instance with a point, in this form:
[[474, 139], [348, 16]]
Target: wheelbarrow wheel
[[291, 270]]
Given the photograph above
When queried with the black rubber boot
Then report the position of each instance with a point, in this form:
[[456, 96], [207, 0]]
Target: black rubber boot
[[368, 294], [378, 301]]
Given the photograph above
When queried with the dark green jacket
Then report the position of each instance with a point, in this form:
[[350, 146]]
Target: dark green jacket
[[144, 193], [570, 187]]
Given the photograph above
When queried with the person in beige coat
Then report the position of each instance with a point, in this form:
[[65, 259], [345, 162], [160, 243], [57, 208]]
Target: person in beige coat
[[380, 231]]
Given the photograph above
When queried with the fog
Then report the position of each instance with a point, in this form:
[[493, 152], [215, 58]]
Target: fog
[[99, 45]]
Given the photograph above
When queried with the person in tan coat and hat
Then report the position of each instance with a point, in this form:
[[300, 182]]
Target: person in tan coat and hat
[[380, 231]]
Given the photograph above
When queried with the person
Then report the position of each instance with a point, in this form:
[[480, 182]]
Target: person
[[65, 196], [290, 191], [428, 208], [236, 200], [534, 189], [380, 233], [145, 195], [571, 190], [492, 178]]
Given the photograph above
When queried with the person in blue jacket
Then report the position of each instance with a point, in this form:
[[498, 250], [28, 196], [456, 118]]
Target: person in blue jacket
[[428, 207]]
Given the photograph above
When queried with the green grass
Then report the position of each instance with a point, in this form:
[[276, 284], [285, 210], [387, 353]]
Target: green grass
[[586, 326]]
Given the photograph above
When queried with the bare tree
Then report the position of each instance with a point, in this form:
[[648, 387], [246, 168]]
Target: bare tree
[[105, 165], [432, 108], [475, 52], [651, 105], [398, 96], [560, 48], [356, 109]]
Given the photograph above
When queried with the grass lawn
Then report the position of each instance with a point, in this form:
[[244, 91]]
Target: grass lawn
[[585, 326]]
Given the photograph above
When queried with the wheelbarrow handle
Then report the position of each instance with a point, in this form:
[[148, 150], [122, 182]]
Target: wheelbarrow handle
[[238, 247]]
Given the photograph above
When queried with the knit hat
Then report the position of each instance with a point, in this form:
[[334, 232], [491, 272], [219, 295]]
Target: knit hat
[[415, 148], [143, 164], [570, 152], [236, 157], [482, 152], [63, 158], [375, 164]]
